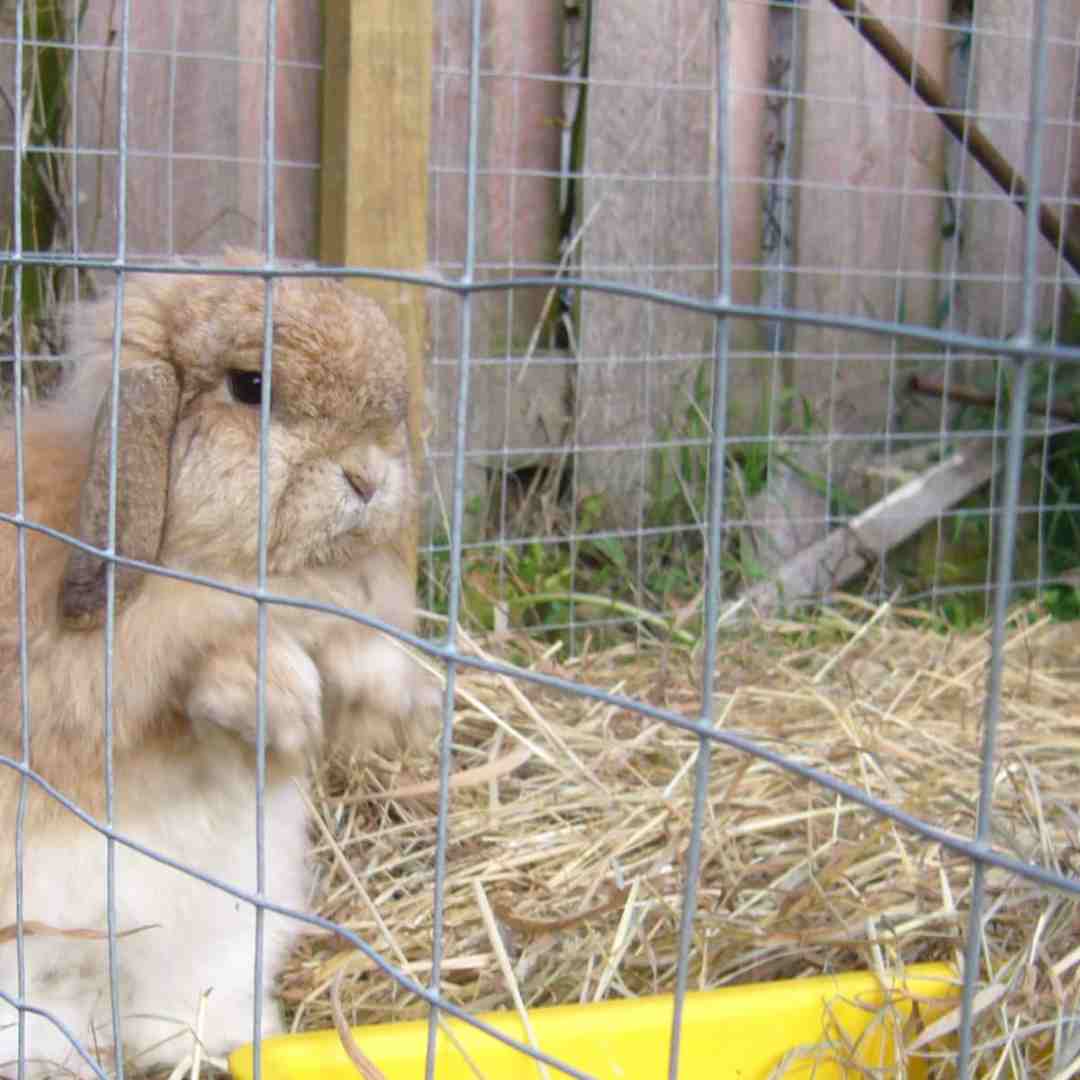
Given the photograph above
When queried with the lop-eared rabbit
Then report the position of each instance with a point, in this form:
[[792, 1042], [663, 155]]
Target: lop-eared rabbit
[[341, 497]]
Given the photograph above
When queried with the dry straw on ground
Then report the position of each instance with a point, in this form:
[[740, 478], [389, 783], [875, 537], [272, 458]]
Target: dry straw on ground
[[570, 820]]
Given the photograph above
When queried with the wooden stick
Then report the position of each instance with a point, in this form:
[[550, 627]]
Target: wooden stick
[[933, 386], [851, 549], [957, 122]]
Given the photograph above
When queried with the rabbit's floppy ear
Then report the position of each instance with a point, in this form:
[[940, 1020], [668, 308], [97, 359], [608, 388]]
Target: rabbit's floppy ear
[[146, 410]]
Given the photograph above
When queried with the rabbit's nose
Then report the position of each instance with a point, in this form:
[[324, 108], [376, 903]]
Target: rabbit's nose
[[362, 482]]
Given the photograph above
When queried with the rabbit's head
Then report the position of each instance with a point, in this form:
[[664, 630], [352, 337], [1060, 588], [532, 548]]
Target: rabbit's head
[[189, 404]]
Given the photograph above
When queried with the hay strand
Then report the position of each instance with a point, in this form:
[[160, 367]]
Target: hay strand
[[570, 818]]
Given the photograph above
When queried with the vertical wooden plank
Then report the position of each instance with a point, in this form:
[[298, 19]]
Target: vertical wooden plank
[[637, 222], [649, 218], [376, 115], [8, 27], [517, 231], [520, 133], [1071, 217], [195, 175], [748, 95], [870, 207], [871, 201], [871, 204], [297, 106], [992, 247]]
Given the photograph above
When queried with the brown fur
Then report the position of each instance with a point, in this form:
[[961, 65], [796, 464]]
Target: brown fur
[[339, 396], [340, 501]]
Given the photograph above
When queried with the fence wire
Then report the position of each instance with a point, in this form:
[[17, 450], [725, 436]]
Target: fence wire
[[462, 285]]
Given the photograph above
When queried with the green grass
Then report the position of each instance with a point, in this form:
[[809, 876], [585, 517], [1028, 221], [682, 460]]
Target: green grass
[[45, 207], [647, 584], [650, 584], [1048, 543]]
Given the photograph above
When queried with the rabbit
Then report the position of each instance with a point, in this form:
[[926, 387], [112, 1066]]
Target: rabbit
[[341, 501]]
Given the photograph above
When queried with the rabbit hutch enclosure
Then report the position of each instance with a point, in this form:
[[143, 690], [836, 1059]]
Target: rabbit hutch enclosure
[[743, 403]]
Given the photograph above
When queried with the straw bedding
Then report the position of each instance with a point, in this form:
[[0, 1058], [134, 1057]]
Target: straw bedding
[[570, 821]]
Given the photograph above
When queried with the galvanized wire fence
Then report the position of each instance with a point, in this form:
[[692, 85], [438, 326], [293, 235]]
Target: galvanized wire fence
[[468, 289]]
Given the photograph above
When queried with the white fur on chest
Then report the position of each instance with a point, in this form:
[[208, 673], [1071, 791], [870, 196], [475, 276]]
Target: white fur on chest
[[199, 808]]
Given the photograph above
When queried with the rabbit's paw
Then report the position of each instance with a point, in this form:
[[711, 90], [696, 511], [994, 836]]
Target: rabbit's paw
[[223, 695], [376, 693]]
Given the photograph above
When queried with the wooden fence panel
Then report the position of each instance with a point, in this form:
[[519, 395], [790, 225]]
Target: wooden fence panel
[[194, 171], [869, 173]]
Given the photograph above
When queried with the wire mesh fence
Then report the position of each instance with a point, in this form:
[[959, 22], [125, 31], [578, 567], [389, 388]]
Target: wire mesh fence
[[725, 317]]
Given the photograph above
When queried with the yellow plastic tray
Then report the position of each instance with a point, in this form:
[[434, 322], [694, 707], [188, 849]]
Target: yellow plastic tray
[[742, 1032]]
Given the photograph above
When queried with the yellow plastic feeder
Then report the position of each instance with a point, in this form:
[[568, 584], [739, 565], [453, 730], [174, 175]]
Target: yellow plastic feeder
[[826, 1027]]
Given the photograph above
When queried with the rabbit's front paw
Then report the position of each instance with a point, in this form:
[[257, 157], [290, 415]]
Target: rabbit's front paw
[[376, 693], [223, 694]]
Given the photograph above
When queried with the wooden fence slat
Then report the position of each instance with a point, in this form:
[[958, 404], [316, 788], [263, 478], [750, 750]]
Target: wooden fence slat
[[992, 227], [649, 217], [870, 202], [194, 169], [516, 418]]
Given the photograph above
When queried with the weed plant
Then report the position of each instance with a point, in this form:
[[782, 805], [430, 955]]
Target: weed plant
[[576, 571], [45, 207], [952, 566]]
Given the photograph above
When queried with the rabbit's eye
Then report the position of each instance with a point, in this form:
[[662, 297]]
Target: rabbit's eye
[[245, 386]]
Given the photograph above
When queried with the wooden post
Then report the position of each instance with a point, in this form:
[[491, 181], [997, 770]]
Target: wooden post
[[376, 119]]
